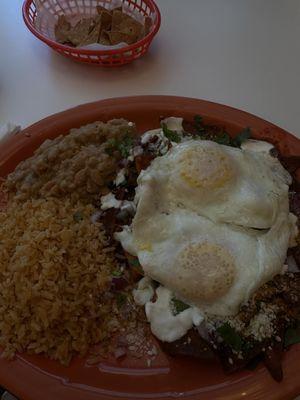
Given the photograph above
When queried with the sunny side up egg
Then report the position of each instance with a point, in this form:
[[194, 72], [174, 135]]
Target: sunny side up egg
[[222, 183], [212, 266], [212, 223]]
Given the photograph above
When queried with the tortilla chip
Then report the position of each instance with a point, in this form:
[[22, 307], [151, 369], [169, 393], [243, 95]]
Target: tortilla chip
[[127, 25], [104, 38], [61, 29], [108, 27], [117, 17], [117, 37], [96, 19], [80, 31], [63, 23], [93, 36], [106, 20]]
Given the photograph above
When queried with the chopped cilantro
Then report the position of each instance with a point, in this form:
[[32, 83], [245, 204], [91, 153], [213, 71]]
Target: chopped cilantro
[[123, 146], [292, 335], [111, 146], [198, 121], [117, 273], [179, 306], [135, 265], [223, 138], [241, 137], [121, 299], [134, 262], [171, 135], [78, 216], [230, 336]]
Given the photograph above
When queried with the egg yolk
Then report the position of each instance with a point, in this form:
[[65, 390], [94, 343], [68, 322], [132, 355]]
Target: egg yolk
[[204, 272], [204, 167]]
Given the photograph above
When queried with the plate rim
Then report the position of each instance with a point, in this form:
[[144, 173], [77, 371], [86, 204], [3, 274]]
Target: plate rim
[[12, 145]]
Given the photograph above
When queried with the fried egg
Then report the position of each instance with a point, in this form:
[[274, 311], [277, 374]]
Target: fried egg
[[215, 267], [223, 183], [212, 224]]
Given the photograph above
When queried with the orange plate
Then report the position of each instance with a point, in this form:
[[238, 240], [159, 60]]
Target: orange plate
[[36, 378]]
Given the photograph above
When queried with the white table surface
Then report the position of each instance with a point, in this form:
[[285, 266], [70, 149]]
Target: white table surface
[[243, 53]]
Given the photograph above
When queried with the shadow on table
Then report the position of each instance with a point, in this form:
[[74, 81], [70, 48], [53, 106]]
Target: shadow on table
[[148, 69]]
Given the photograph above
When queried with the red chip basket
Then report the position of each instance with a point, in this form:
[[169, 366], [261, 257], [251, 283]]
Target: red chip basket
[[43, 28]]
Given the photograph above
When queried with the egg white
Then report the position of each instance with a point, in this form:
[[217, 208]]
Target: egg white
[[212, 223], [256, 256], [223, 183]]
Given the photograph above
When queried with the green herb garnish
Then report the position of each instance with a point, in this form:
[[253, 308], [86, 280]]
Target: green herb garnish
[[292, 335], [241, 137], [198, 122], [179, 306], [135, 265], [117, 273], [121, 299], [111, 146], [123, 146], [134, 262], [173, 136], [78, 216], [230, 336], [222, 137]]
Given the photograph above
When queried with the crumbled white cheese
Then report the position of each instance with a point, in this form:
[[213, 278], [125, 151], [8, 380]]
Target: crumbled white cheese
[[174, 124], [120, 178], [162, 143], [128, 206], [134, 152], [163, 147], [149, 135], [261, 325], [166, 326], [109, 201], [236, 324], [144, 291], [257, 146], [137, 150]]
